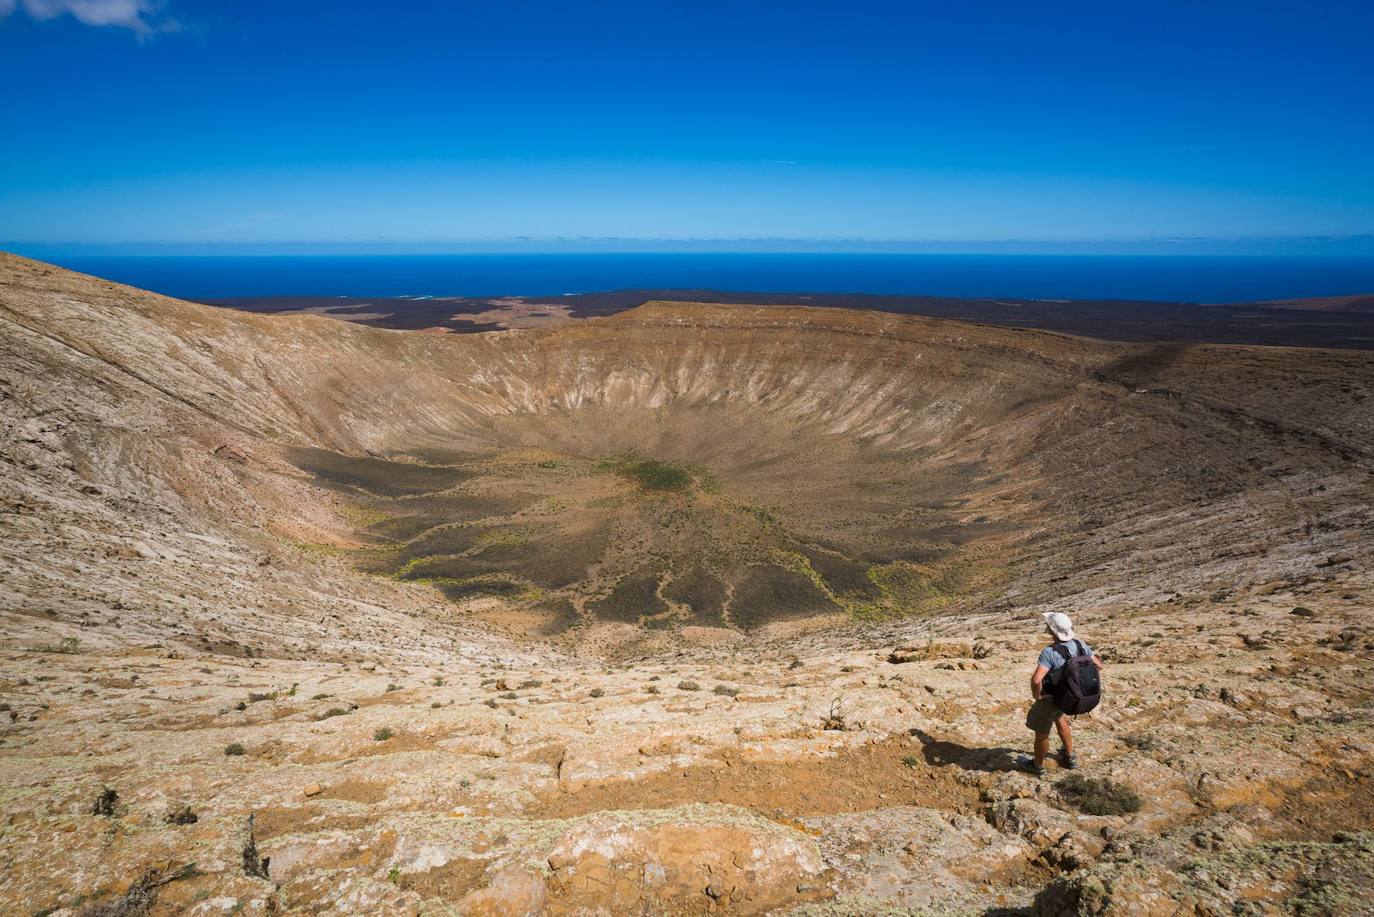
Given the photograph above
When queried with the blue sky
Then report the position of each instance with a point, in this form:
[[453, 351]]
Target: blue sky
[[202, 122]]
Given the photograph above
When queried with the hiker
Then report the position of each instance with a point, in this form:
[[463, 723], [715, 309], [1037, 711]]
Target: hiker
[[1065, 683]]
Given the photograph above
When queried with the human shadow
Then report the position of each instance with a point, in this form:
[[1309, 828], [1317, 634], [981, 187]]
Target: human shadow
[[939, 752]]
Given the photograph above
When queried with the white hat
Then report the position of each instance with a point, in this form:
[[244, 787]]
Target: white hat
[[1059, 624]]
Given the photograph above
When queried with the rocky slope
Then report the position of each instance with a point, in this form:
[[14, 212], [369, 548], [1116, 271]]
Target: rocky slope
[[281, 573]]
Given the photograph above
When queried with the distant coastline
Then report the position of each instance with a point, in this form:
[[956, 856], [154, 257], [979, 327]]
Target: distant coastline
[[1188, 278]]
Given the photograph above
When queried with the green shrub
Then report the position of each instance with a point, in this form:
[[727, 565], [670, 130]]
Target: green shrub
[[726, 691], [688, 686], [652, 475], [1098, 795], [234, 749], [598, 692], [382, 734]]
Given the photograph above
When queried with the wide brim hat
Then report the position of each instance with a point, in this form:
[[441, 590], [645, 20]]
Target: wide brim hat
[[1059, 624]]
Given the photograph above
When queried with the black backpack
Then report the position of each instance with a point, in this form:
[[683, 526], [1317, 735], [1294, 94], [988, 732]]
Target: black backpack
[[1077, 685]]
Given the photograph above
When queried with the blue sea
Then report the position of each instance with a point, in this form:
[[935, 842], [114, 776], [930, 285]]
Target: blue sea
[[1190, 278]]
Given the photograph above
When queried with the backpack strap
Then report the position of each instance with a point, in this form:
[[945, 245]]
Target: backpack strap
[[1062, 650], [1079, 643]]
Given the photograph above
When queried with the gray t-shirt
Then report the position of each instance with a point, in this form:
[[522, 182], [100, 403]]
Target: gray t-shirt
[[1050, 658]]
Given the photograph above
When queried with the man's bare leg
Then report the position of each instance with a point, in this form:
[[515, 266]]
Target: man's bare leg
[[1042, 748], [1065, 730]]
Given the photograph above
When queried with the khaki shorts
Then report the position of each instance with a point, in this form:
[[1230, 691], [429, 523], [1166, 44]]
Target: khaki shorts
[[1043, 715]]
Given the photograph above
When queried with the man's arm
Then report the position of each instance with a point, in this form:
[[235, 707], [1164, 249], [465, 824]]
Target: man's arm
[[1037, 680]]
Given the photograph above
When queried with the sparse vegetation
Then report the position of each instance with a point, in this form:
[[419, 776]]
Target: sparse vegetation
[[141, 895], [633, 597], [688, 686], [1098, 795], [67, 646], [1143, 742], [598, 692], [382, 734], [332, 712], [181, 815], [105, 803], [654, 475], [235, 749], [834, 717], [726, 691], [253, 864]]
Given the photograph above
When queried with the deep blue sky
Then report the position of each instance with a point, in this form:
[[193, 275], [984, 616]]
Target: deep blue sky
[[206, 121]]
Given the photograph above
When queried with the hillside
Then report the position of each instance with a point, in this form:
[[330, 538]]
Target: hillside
[[448, 595]]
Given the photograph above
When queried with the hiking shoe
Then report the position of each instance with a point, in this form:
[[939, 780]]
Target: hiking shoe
[[1068, 762], [1029, 766]]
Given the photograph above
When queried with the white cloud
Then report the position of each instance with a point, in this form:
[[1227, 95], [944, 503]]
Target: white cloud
[[128, 14]]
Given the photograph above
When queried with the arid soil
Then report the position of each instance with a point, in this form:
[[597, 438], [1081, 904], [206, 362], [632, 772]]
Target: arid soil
[[693, 609]]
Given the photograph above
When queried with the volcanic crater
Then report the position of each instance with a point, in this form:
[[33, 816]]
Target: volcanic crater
[[686, 463], [691, 609]]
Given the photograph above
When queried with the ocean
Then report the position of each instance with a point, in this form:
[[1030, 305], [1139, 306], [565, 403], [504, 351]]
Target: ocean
[[1190, 278]]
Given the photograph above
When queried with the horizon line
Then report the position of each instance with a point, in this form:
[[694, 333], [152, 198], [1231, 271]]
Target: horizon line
[[1357, 245]]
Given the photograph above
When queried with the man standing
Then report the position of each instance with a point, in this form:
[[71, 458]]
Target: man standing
[[1062, 681]]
